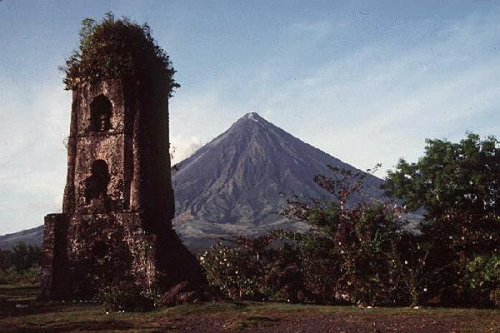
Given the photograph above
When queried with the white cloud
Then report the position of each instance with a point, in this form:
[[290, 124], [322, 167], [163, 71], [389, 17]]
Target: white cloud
[[183, 147]]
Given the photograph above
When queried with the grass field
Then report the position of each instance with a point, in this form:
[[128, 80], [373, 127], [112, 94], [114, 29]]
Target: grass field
[[20, 312]]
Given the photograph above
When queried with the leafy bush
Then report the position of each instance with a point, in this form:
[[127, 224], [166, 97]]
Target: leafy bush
[[360, 253], [23, 257], [253, 268], [457, 183], [20, 265], [483, 276], [350, 254], [351, 251], [116, 49], [126, 296], [30, 276]]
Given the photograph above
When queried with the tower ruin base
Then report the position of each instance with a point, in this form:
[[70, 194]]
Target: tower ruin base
[[82, 254]]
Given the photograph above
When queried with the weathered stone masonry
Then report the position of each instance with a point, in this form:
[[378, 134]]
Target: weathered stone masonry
[[118, 201]]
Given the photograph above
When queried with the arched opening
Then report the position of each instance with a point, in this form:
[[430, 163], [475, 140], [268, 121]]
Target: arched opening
[[96, 185], [100, 114]]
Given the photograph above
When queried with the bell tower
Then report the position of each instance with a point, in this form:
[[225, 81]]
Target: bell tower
[[101, 149], [118, 200]]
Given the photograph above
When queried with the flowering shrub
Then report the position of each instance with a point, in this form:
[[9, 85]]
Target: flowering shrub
[[458, 185], [253, 268], [360, 253], [348, 256]]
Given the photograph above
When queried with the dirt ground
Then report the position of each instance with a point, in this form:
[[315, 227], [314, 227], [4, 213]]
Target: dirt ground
[[20, 312]]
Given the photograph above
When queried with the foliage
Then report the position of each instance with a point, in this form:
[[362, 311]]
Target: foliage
[[458, 185], [253, 268], [20, 265], [30, 276], [23, 257], [462, 176], [5, 260], [124, 295], [348, 256], [118, 48], [483, 276]]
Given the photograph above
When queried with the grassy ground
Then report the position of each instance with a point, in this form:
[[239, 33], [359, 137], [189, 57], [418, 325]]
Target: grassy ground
[[20, 312]]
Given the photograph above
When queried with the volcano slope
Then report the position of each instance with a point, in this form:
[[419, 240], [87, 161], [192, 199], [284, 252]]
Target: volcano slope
[[241, 180]]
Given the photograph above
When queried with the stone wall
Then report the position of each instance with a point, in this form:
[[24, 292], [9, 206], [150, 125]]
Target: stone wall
[[118, 200]]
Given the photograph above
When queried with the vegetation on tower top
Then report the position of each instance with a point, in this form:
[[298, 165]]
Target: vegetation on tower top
[[118, 49]]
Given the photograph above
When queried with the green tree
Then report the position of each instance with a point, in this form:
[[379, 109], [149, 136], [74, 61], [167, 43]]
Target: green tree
[[451, 176], [24, 256], [19, 256], [34, 256], [458, 185], [483, 275], [5, 260], [350, 253]]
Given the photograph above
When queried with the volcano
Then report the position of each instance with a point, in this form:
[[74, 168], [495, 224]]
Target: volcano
[[240, 181]]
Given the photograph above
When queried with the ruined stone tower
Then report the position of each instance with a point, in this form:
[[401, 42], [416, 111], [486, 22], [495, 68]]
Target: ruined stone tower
[[118, 201]]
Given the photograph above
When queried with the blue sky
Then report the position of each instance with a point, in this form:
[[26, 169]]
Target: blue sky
[[366, 81]]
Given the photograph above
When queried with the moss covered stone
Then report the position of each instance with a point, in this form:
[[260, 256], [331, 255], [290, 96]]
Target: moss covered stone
[[118, 49]]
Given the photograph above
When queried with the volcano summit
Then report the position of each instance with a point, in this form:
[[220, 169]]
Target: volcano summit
[[239, 182]]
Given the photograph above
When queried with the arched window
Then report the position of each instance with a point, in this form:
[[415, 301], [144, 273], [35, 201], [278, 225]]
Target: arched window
[[100, 114], [96, 185]]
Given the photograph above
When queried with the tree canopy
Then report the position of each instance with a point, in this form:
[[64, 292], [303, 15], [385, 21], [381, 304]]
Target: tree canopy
[[451, 176], [458, 184]]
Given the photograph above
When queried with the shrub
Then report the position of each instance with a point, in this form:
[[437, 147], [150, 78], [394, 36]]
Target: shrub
[[118, 49], [457, 184], [258, 268], [483, 277], [360, 253], [348, 256], [30, 276], [23, 257], [126, 296]]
